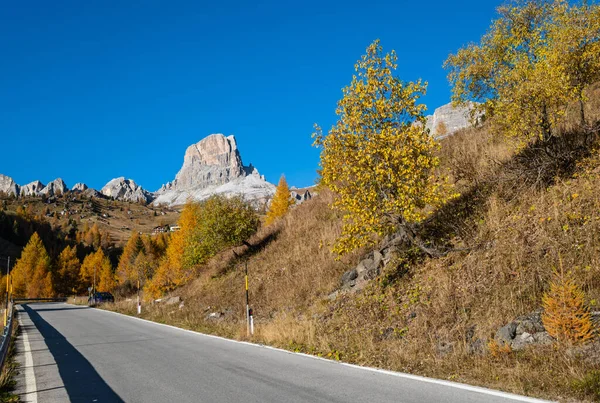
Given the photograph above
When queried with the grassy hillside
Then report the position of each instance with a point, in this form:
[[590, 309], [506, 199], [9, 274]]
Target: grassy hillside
[[511, 227], [73, 212]]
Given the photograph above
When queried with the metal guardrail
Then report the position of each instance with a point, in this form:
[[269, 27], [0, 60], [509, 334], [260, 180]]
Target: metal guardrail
[[7, 331], [25, 300], [6, 335]]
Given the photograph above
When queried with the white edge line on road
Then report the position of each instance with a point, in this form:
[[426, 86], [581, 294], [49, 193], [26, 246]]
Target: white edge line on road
[[477, 389], [30, 384]]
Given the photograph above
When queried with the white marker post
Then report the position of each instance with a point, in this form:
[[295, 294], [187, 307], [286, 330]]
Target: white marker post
[[251, 314], [139, 304]]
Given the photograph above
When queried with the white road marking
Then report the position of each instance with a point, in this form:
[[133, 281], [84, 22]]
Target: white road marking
[[30, 385], [451, 384]]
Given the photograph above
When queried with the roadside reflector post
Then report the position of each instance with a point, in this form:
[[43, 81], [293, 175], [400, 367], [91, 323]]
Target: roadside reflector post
[[247, 303], [139, 303], [7, 290], [251, 314]]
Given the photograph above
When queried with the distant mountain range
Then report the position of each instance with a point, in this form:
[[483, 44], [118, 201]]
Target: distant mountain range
[[211, 166]]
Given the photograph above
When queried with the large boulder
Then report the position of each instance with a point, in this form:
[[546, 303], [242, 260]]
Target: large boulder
[[524, 331], [8, 186]]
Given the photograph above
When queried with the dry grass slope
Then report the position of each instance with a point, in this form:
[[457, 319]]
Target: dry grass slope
[[435, 317]]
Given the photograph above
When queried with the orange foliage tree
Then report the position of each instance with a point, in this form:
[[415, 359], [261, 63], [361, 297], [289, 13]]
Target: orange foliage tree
[[171, 272], [566, 317]]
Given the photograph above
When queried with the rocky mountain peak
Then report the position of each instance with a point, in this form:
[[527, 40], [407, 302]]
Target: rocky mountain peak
[[79, 187], [32, 189], [56, 187], [214, 160], [214, 165], [8, 186], [127, 190]]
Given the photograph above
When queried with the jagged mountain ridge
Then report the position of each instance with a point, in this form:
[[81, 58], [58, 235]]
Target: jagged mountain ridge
[[211, 166]]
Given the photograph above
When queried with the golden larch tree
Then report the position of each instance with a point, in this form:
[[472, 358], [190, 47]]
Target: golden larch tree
[[566, 317], [95, 268], [171, 272], [68, 266], [126, 270], [281, 202], [31, 275], [378, 158], [107, 280]]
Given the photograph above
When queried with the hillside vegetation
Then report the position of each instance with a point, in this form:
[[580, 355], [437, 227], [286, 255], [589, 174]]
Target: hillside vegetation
[[507, 226], [424, 315], [474, 259]]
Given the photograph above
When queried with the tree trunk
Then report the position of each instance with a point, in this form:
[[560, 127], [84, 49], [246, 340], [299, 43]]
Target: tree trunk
[[414, 239], [581, 112], [546, 129]]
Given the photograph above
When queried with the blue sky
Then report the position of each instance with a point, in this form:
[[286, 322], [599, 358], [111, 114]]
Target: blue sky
[[92, 90]]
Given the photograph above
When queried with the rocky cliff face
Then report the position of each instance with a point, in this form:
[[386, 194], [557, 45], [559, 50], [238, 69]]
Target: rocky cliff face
[[214, 160], [126, 190], [8, 186], [214, 166], [55, 188], [32, 189], [448, 119]]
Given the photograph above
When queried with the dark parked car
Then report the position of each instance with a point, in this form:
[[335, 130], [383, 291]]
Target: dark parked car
[[100, 297]]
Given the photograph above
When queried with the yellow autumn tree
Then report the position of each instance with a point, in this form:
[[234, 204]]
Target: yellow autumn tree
[[207, 228], [125, 270], [68, 266], [171, 272], [107, 280], [378, 158], [535, 60], [574, 41], [281, 202], [31, 275], [566, 317], [96, 269]]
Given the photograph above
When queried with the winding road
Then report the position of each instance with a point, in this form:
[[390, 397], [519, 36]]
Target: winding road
[[79, 354]]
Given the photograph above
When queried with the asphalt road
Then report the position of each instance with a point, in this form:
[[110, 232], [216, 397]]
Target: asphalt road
[[78, 354]]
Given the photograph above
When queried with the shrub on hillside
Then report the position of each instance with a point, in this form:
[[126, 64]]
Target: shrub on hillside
[[206, 228], [566, 317]]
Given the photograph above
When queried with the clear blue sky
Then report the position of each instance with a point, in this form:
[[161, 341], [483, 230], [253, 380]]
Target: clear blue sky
[[92, 90]]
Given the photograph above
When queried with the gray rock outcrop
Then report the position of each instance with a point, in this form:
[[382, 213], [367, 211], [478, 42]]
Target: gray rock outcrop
[[448, 119], [126, 190], [214, 166], [55, 188], [524, 331], [32, 189], [8, 186]]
